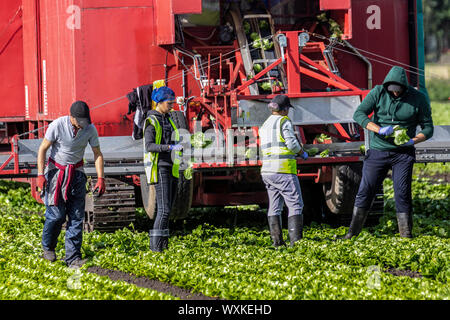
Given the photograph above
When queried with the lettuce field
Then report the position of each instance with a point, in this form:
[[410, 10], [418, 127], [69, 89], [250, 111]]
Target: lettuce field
[[227, 254]]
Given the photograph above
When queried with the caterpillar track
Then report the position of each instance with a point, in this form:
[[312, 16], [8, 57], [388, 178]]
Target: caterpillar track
[[113, 210]]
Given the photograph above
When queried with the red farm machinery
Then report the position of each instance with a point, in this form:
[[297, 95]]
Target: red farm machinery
[[227, 59]]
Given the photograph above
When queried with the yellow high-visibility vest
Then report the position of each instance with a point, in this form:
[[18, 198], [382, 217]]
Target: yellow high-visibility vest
[[151, 158], [277, 158]]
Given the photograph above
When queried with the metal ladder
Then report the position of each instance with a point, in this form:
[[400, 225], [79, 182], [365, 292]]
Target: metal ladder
[[249, 52]]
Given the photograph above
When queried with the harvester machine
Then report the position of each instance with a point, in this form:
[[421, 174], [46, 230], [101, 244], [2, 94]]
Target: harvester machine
[[227, 60]]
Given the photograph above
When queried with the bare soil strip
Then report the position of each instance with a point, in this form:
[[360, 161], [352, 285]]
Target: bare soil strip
[[407, 273], [144, 282]]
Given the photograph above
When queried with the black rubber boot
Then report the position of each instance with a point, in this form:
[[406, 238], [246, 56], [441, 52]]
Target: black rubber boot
[[49, 255], [164, 243], [159, 240], [405, 224], [295, 227], [358, 219], [275, 230]]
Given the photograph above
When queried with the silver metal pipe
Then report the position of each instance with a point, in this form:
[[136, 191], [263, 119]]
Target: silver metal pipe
[[369, 65]]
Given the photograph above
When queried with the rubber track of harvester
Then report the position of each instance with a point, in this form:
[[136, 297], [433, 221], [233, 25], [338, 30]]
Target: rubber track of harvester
[[113, 210]]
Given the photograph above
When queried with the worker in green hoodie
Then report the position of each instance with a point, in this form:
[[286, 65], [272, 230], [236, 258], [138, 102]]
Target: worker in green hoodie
[[393, 103]]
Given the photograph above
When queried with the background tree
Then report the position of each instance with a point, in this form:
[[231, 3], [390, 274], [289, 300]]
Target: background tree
[[436, 16]]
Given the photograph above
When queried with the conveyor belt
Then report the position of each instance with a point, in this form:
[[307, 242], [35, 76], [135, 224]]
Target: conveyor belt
[[123, 155], [436, 149]]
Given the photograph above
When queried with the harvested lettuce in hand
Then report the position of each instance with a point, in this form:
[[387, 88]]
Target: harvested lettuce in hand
[[400, 136], [188, 173]]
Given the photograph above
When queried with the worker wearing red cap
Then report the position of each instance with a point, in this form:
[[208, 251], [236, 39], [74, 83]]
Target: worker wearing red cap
[[280, 147], [63, 180]]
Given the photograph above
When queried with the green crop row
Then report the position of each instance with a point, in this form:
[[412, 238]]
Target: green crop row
[[17, 195], [431, 206], [431, 169], [240, 263], [24, 275]]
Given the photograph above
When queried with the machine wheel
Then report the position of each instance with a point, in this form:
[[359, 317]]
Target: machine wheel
[[148, 194], [313, 201], [113, 210], [183, 197], [340, 193], [340, 196], [181, 204]]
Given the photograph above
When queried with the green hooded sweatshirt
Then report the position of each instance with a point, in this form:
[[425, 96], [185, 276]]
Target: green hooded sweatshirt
[[408, 110]]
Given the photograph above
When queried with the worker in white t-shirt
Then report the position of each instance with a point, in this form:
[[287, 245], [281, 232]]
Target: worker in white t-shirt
[[64, 180]]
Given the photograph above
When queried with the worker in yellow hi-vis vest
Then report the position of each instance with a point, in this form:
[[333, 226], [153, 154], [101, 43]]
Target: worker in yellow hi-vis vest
[[161, 162], [279, 147]]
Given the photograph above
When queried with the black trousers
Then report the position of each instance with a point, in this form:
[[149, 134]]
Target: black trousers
[[165, 195], [376, 166]]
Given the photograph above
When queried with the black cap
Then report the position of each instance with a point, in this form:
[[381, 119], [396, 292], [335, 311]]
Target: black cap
[[282, 101], [80, 111]]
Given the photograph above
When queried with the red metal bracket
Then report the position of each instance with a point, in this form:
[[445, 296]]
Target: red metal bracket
[[341, 83], [259, 75], [13, 155], [342, 131]]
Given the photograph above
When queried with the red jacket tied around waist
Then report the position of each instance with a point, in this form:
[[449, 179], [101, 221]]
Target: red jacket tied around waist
[[63, 180]]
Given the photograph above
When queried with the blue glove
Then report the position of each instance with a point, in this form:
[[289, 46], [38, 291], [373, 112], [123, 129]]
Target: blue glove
[[409, 143], [304, 155], [176, 147], [386, 131]]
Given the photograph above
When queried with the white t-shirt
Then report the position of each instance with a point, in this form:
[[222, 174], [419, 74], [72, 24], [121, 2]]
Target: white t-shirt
[[67, 149]]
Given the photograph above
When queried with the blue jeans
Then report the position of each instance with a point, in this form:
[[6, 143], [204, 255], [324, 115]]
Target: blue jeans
[[283, 188], [375, 168], [55, 216]]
